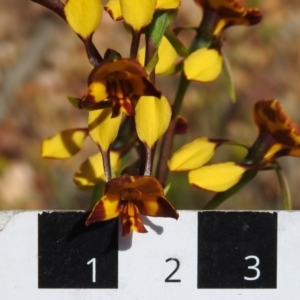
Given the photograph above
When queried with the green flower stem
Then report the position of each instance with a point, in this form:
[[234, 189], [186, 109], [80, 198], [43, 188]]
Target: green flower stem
[[154, 34], [182, 88], [219, 198], [150, 52], [167, 142], [205, 31], [259, 149], [285, 190], [203, 39]]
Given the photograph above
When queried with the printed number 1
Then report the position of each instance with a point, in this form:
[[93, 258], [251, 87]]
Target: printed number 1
[[253, 267], [93, 262]]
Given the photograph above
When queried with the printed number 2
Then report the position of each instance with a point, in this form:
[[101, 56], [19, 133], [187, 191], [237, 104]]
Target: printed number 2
[[93, 262], [168, 279], [254, 267]]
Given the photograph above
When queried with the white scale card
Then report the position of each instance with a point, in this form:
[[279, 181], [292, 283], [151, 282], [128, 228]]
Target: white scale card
[[203, 255]]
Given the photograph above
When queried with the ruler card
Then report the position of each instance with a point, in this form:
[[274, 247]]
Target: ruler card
[[203, 255]]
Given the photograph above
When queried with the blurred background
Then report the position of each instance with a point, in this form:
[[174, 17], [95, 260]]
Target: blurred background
[[42, 61]]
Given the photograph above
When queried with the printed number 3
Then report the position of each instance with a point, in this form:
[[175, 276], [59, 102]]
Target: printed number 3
[[253, 267]]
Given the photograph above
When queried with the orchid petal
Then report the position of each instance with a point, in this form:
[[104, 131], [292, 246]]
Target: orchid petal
[[218, 177], [138, 13], [294, 152], [83, 16], [117, 65], [105, 209], [158, 113], [156, 206], [152, 201], [192, 155], [131, 220], [91, 172], [96, 93], [167, 4], [203, 65], [113, 7], [64, 144], [271, 118], [102, 128]]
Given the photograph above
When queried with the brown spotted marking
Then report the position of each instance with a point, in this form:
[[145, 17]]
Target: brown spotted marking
[[131, 220]]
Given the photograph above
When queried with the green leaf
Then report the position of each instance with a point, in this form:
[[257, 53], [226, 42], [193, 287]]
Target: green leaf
[[284, 187], [176, 43], [167, 188], [74, 101], [228, 77], [153, 62], [156, 29], [172, 14], [155, 32]]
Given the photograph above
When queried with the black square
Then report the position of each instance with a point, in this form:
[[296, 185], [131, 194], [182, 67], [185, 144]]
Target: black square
[[71, 255], [237, 249]]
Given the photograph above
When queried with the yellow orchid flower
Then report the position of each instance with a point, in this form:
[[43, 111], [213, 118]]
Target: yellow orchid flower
[[117, 84], [278, 136], [128, 197], [138, 13], [228, 13], [205, 61]]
